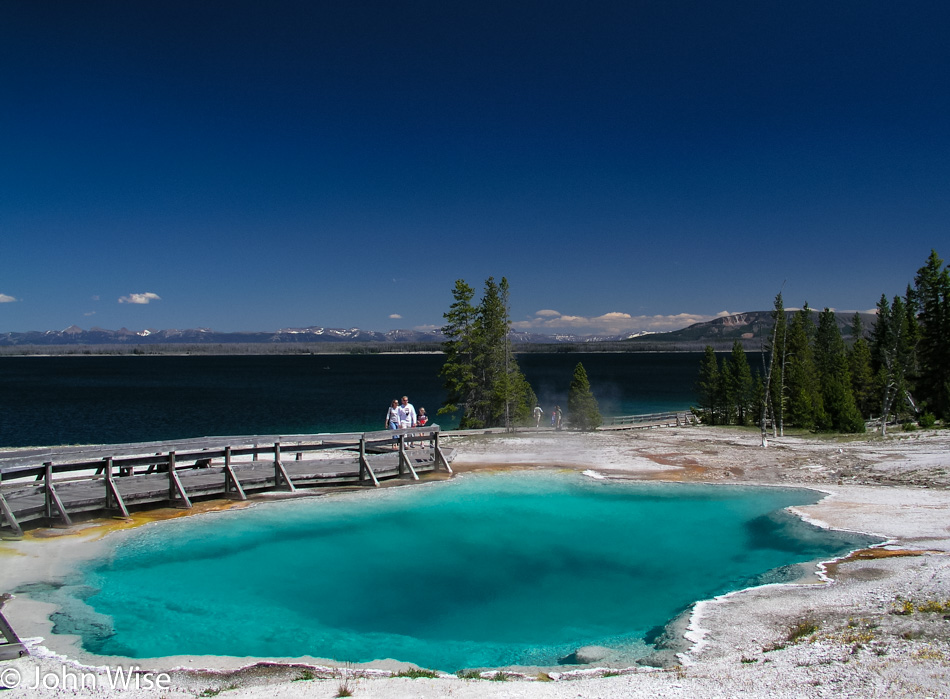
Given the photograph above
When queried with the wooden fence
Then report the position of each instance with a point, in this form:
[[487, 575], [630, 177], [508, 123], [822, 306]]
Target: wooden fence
[[51, 485], [670, 419]]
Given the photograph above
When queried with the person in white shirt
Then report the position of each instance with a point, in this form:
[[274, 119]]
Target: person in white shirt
[[407, 414]]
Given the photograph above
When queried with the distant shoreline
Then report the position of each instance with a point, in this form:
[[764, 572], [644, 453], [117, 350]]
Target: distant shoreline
[[365, 348]]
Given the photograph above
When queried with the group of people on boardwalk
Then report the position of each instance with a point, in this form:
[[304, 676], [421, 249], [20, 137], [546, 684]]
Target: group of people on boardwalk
[[402, 416]]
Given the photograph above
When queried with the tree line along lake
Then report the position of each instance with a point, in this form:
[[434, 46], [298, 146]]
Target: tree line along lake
[[50, 401]]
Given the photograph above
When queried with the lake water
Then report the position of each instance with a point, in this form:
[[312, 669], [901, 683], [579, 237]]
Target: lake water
[[486, 570], [46, 401]]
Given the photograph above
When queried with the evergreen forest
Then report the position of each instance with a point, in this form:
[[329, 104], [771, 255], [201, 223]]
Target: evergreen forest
[[896, 371]]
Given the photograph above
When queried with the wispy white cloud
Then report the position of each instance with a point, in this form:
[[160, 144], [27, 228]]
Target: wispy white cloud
[[613, 323], [147, 297], [6, 299], [90, 313], [96, 297], [427, 328], [395, 316]]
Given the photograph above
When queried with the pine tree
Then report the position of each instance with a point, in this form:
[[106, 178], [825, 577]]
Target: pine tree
[[894, 352], [582, 409], [459, 347], [491, 333], [708, 387], [834, 377], [481, 374], [773, 399], [739, 386], [859, 363], [804, 407], [932, 284]]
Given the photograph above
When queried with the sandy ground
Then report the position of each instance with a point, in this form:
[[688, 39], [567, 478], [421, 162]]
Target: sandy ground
[[876, 624]]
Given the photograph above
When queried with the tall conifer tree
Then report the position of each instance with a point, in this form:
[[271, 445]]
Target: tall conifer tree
[[859, 363], [481, 375], [459, 348], [775, 372], [740, 388], [708, 387], [582, 410], [933, 297], [804, 406], [834, 377]]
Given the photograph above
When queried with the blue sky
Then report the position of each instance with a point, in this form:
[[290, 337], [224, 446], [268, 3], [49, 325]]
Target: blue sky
[[627, 165]]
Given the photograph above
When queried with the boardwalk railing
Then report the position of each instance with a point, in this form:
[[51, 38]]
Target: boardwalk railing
[[52, 484], [670, 419], [10, 646]]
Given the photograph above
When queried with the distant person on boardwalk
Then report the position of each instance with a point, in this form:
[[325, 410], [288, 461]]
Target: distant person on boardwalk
[[407, 414], [537, 416], [557, 417], [392, 418], [553, 418]]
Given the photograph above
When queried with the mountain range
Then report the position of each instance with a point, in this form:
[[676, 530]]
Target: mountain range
[[750, 328]]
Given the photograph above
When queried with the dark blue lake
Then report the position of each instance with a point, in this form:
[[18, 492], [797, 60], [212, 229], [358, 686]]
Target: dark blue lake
[[83, 399]]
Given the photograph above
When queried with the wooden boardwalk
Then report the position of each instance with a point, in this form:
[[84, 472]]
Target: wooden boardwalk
[[649, 420], [50, 486]]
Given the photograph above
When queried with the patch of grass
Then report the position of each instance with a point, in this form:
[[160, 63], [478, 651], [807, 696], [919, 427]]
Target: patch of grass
[[934, 606], [906, 607], [747, 661], [928, 654], [609, 673], [801, 630], [499, 677], [415, 673], [345, 689], [468, 675]]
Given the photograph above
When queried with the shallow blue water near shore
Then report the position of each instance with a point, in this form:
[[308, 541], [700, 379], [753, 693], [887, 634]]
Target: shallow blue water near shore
[[482, 571], [50, 401]]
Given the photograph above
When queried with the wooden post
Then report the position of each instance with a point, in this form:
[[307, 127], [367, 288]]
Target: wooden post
[[280, 473], [7, 513], [52, 499], [439, 456], [230, 479], [364, 464], [12, 648], [113, 496], [176, 490], [404, 463]]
